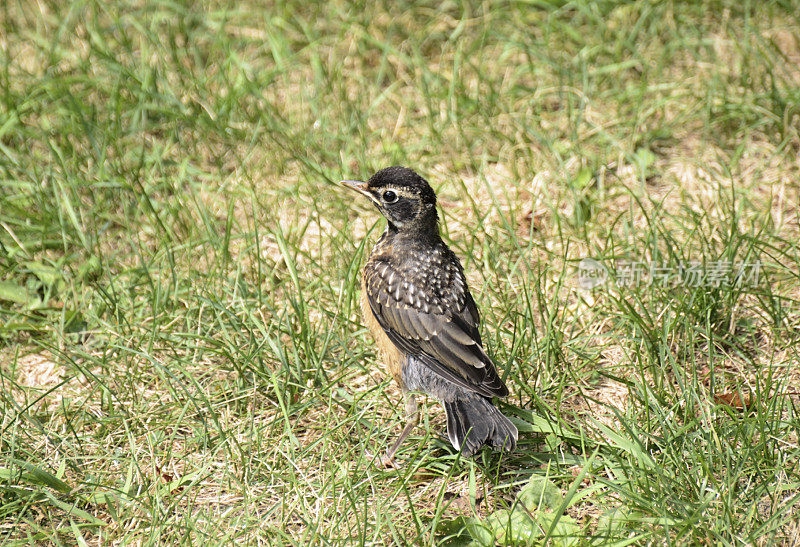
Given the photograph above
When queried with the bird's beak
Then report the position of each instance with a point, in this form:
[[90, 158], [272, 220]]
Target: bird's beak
[[359, 186]]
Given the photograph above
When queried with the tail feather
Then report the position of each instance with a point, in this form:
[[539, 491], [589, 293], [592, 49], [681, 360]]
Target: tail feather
[[473, 421]]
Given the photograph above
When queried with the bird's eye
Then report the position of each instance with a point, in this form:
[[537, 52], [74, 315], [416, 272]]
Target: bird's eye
[[389, 196]]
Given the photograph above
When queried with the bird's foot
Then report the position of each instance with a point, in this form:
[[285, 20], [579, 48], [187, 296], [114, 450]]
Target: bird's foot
[[389, 462], [386, 461]]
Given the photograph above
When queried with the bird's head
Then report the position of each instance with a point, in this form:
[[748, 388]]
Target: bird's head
[[406, 199]]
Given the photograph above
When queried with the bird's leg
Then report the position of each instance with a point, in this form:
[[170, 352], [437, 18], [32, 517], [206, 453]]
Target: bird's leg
[[412, 419]]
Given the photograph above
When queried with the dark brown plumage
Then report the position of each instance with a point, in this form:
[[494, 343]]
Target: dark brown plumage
[[417, 305]]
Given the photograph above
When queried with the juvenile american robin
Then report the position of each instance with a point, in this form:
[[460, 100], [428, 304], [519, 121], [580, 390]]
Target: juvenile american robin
[[417, 306]]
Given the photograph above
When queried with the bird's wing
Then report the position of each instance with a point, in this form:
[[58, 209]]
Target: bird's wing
[[445, 338]]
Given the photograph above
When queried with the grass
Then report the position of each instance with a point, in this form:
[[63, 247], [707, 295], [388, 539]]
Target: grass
[[181, 353]]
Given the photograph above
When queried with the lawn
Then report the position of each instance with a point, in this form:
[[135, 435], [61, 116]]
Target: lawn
[[182, 358]]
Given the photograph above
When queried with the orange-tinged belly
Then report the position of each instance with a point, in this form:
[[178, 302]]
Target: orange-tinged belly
[[391, 356]]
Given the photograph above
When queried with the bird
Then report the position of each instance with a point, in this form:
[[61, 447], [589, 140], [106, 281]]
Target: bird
[[416, 304]]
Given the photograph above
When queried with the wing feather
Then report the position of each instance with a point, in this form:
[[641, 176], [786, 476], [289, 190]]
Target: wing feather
[[449, 342]]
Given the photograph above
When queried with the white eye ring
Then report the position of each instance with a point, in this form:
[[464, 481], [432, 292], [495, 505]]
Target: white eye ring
[[389, 196]]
